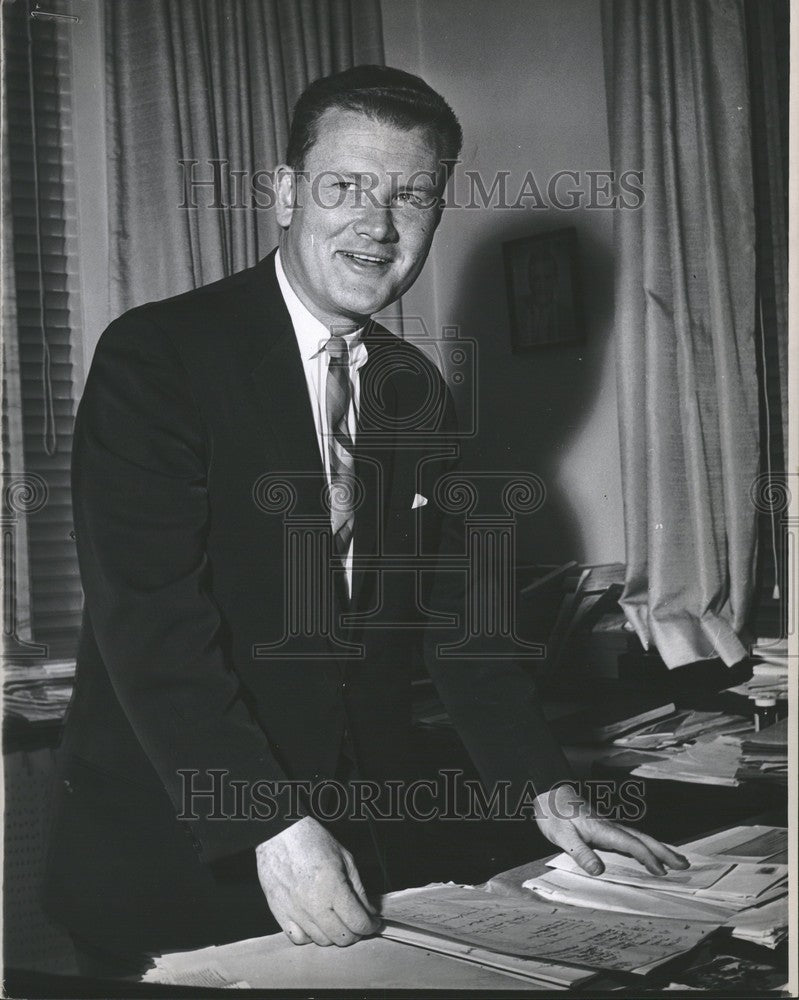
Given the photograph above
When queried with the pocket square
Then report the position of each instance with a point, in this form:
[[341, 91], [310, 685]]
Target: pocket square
[[418, 501]]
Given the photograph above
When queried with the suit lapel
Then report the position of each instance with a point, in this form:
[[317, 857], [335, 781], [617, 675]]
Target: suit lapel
[[280, 385], [282, 391]]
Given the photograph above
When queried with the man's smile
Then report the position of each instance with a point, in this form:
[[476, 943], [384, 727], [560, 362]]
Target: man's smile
[[361, 261]]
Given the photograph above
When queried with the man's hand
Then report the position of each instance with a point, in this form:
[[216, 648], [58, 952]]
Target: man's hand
[[566, 820], [313, 888]]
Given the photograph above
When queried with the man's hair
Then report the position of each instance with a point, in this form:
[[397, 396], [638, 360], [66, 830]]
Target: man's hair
[[386, 94]]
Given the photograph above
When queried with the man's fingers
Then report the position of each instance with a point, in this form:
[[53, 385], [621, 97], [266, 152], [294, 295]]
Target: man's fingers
[[285, 914], [309, 926], [322, 926], [334, 928], [615, 838], [315, 934], [351, 911], [312, 886], [567, 837], [666, 854], [355, 882], [295, 933], [350, 907]]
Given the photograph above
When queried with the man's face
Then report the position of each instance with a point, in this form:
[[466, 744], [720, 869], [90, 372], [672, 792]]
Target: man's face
[[361, 220]]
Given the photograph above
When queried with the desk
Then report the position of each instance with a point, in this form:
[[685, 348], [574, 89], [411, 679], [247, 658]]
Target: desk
[[468, 852], [377, 964], [374, 964]]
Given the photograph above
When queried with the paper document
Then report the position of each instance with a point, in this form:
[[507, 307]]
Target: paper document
[[212, 976], [706, 763], [766, 925], [683, 728], [546, 974], [565, 888], [709, 879], [274, 963], [611, 941], [618, 868], [743, 843]]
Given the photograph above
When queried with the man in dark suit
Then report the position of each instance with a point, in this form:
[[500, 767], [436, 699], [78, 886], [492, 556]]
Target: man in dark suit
[[211, 423]]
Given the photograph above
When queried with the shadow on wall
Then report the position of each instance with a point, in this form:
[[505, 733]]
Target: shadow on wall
[[533, 407]]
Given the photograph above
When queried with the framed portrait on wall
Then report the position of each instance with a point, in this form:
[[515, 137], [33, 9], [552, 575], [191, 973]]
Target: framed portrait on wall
[[542, 287]]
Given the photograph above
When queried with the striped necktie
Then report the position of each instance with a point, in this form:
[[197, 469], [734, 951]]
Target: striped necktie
[[338, 398]]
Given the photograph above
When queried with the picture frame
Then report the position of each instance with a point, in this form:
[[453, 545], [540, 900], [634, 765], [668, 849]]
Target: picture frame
[[541, 276]]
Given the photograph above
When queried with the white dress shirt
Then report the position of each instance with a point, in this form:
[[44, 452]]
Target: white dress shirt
[[312, 335]]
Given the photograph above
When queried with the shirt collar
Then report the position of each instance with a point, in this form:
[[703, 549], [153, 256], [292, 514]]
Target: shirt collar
[[311, 333]]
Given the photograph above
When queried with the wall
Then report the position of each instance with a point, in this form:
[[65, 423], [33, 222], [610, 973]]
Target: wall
[[526, 79]]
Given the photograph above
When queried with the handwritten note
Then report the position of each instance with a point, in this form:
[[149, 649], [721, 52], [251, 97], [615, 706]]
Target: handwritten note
[[544, 974], [613, 941]]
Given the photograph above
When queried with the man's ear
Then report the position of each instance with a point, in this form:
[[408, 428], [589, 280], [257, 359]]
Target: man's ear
[[286, 194]]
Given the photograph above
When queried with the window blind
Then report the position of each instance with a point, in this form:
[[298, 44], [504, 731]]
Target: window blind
[[42, 269]]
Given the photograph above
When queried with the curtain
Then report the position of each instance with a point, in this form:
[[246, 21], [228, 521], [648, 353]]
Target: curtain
[[768, 28], [211, 81], [685, 315], [768, 31]]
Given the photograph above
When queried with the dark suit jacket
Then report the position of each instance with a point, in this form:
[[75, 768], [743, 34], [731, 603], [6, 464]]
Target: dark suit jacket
[[193, 409]]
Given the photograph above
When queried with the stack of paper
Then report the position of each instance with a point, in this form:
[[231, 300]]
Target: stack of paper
[[546, 975], [609, 722], [709, 880], [769, 671], [765, 925], [524, 928], [706, 762], [771, 647], [200, 968], [273, 963], [683, 727], [572, 889], [752, 844], [764, 755], [771, 656], [767, 922], [726, 759], [735, 880]]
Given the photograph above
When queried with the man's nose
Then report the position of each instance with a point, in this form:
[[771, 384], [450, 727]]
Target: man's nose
[[377, 222]]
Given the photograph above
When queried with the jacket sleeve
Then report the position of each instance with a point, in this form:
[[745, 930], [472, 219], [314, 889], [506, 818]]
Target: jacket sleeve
[[492, 702], [141, 515]]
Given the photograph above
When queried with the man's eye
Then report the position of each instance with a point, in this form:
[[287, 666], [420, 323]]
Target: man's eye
[[345, 185], [415, 199]]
